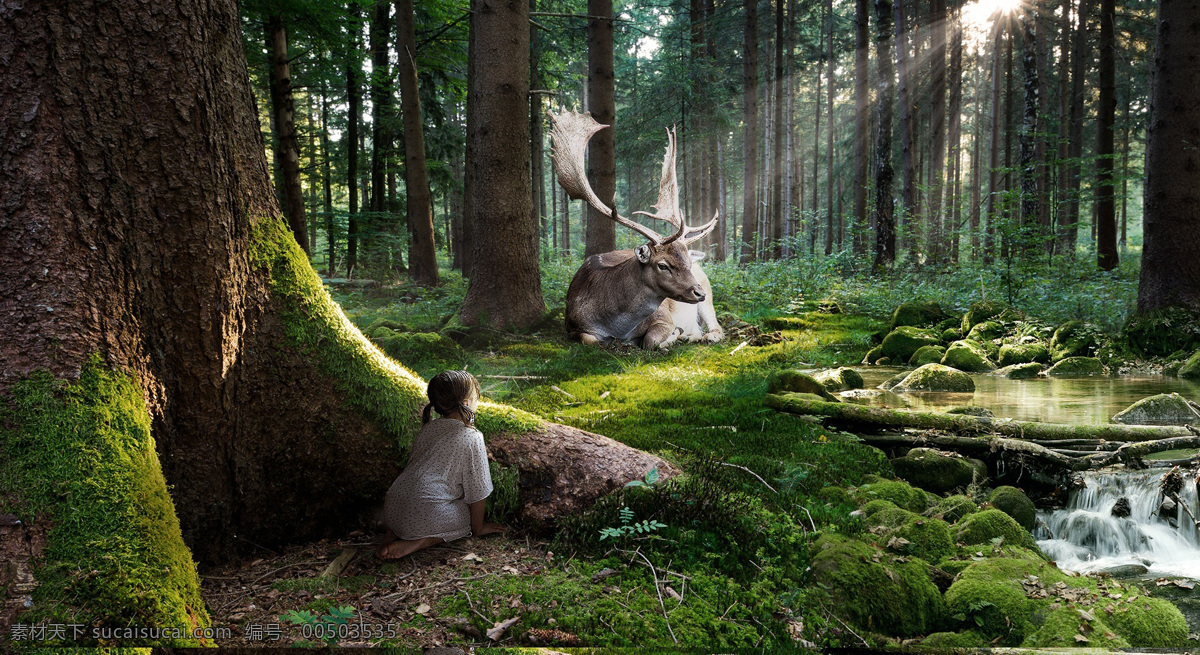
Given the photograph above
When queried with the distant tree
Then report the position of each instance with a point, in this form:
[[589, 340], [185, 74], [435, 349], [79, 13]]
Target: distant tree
[[354, 115], [601, 234], [1106, 223], [750, 131], [908, 118], [884, 218], [422, 259], [861, 143], [287, 148], [937, 127]]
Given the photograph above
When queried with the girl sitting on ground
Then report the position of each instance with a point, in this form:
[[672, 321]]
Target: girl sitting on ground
[[440, 495]]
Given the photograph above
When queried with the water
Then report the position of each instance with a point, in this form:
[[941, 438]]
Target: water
[[1085, 536], [1077, 401]]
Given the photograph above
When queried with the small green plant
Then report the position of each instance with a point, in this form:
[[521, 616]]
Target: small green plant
[[324, 627], [975, 611], [627, 527], [651, 478]]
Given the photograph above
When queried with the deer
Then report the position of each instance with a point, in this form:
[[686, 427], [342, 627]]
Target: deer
[[634, 295]]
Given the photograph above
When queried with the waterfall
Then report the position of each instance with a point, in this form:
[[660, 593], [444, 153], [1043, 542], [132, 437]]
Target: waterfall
[[1085, 536]]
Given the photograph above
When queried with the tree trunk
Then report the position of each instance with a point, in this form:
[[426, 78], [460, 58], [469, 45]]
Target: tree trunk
[[422, 258], [506, 287], [536, 154], [816, 160], [884, 217], [953, 212], [381, 107], [908, 171], [750, 132], [601, 161], [829, 232], [994, 190], [353, 115], [1069, 235], [1064, 129], [1029, 132], [861, 144], [1171, 221], [937, 129], [467, 242], [777, 140], [1106, 225], [977, 118], [327, 182], [1126, 129], [288, 148]]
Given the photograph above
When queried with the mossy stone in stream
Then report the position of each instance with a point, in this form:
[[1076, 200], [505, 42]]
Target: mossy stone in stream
[[927, 355], [980, 312], [1077, 366], [894, 381], [919, 313], [942, 641], [1021, 371], [1016, 504], [900, 344], [927, 537], [986, 331], [936, 471], [953, 508], [876, 591], [797, 382], [1073, 339], [839, 379], [1191, 368], [1161, 409], [989, 597], [968, 356], [1149, 623], [899, 493], [950, 335], [1060, 627], [1012, 353], [972, 410], [937, 377], [873, 355], [983, 527]]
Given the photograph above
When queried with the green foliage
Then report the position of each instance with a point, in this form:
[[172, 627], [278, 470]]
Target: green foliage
[[81, 462], [505, 502], [1160, 333], [628, 527], [325, 626]]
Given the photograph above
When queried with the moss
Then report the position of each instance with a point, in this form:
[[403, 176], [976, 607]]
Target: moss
[[937, 377], [1073, 339], [1021, 371], [1077, 366], [840, 379], [81, 458], [505, 501], [900, 344], [797, 382], [1023, 354], [950, 335], [886, 596], [935, 471], [929, 538], [1148, 623], [953, 508], [1161, 332], [878, 505], [412, 346], [972, 410], [951, 640], [986, 331], [1060, 627], [967, 356], [983, 527], [927, 355], [1191, 368], [894, 381], [873, 355], [377, 324], [1160, 409], [900, 493], [1015, 503], [919, 313], [988, 596], [980, 312]]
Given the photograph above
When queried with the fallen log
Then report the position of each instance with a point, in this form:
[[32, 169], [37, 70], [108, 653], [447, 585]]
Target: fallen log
[[861, 416]]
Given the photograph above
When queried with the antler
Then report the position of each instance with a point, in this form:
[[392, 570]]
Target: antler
[[668, 192], [570, 134]]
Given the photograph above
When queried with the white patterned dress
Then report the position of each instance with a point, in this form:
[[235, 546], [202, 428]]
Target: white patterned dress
[[447, 471]]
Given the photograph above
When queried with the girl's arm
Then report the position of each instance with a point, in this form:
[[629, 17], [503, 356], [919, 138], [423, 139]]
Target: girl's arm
[[478, 527]]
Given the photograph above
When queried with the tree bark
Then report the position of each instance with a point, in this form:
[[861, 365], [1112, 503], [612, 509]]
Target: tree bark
[[1106, 225], [467, 242], [353, 115], [953, 211], [1069, 229], [1171, 220], [1064, 125], [937, 129], [977, 118], [829, 184], [884, 217], [288, 147], [908, 170], [777, 217], [601, 233], [506, 288], [750, 132], [537, 156], [381, 107], [861, 143], [422, 258], [327, 182], [994, 190], [1029, 130]]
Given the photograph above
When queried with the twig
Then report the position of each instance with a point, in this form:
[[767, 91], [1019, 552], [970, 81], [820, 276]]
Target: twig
[[743, 345], [658, 590], [558, 15], [282, 568], [472, 606], [723, 614], [514, 377], [402, 594], [839, 620], [339, 564], [751, 473], [558, 389]]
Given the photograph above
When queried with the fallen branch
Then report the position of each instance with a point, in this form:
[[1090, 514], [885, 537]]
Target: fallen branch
[[659, 591], [402, 594], [339, 564], [751, 473], [743, 345], [513, 377]]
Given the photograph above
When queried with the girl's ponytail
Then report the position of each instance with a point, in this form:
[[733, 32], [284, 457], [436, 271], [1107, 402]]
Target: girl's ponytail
[[427, 413]]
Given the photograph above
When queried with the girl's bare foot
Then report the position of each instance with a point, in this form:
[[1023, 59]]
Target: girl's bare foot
[[402, 547]]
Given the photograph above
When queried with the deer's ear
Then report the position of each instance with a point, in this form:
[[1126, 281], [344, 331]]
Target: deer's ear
[[643, 253]]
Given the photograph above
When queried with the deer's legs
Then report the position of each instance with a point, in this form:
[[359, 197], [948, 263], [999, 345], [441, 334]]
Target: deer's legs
[[589, 339]]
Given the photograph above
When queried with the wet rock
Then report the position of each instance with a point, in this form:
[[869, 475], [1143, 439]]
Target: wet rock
[[972, 410], [894, 381], [980, 312], [1021, 371], [950, 335], [873, 355], [1073, 339], [1023, 354], [919, 313], [1161, 409], [1016, 504], [900, 344], [1126, 571], [876, 396], [1077, 366], [927, 355], [1121, 510], [986, 331], [1191, 368], [937, 471], [967, 356], [797, 382], [937, 377], [839, 379]]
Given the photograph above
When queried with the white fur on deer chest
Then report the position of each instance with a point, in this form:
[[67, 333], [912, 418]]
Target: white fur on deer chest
[[686, 317]]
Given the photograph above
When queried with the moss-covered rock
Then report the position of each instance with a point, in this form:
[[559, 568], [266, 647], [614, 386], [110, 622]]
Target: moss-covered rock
[[888, 596], [927, 355], [972, 410], [920, 313], [797, 382], [950, 335], [1073, 339], [968, 356], [388, 323], [1015, 503], [875, 506], [873, 355], [953, 508], [968, 639], [1161, 332], [900, 344], [926, 537], [1161, 409], [937, 377], [1148, 622], [1021, 371], [937, 471], [983, 527], [1069, 627], [1190, 368], [989, 596], [980, 312], [1077, 366], [1011, 353], [839, 379], [894, 381], [986, 331], [899, 493]]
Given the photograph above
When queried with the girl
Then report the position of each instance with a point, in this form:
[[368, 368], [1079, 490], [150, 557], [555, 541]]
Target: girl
[[440, 495]]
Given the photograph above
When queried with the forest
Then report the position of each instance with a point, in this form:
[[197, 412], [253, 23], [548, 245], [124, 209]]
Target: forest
[[797, 324]]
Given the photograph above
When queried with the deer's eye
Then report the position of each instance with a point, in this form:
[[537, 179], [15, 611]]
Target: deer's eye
[[662, 266]]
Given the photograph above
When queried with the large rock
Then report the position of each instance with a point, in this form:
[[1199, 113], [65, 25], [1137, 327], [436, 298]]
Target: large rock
[[563, 470], [986, 331], [1015, 503], [1021, 371], [1191, 368], [918, 536], [980, 312], [900, 344], [937, 377], [937, 471], [1073, 339], [927, 355], [1162, 409], [920, 313], [873, 355], [1077, 366], [968, 356], [839, 379], [797, 382], [1025, 353], [982, 527]]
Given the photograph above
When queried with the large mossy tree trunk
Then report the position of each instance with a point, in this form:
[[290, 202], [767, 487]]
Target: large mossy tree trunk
[[158, 310]]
